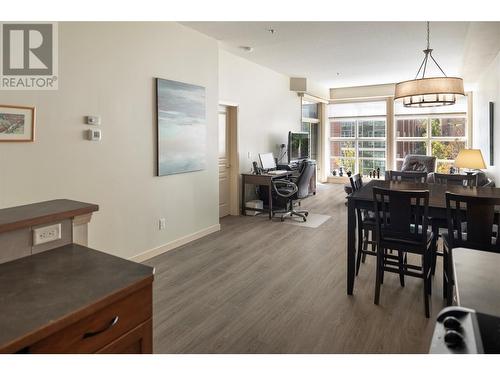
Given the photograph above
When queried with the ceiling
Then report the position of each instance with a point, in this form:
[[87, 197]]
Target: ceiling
[[343, 54]]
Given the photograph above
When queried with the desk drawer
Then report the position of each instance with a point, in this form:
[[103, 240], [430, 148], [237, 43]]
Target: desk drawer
[[95, 331]]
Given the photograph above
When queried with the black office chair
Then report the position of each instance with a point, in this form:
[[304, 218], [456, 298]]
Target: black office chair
[[295, 190]]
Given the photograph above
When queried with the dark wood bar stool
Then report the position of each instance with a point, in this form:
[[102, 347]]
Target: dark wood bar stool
[[472, 223], [407, 176], [366, 226], [467, 180], [437, 224], [402, 225]]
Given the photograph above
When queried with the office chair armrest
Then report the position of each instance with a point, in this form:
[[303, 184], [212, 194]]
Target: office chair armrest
[[285, 183]]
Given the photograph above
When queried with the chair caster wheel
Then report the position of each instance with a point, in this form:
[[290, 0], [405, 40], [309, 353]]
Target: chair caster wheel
[[307, 214], [304, 219]]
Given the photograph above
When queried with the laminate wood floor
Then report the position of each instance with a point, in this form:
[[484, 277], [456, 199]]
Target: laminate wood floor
[[270, 287]]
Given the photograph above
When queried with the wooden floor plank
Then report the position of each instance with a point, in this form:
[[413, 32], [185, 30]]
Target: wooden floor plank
[[270, 287]]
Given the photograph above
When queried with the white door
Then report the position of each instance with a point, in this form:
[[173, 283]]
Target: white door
[[224, 167]]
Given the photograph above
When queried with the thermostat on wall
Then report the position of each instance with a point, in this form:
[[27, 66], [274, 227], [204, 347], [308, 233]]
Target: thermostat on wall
[[94, 134], [93, 120]]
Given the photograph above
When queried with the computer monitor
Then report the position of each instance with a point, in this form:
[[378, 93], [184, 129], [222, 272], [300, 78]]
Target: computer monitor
[[298, 146], [267, 161]]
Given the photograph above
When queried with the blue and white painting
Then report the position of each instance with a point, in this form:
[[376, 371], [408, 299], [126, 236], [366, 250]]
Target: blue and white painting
[[181, 127]]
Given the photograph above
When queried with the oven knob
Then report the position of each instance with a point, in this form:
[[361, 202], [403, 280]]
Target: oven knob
[[453, 339], [451, 322]]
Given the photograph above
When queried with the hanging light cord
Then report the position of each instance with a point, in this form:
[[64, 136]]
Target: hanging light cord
[[428, 52], [428, 33]]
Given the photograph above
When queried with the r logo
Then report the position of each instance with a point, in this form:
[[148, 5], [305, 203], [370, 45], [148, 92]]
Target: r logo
[[27, 49]]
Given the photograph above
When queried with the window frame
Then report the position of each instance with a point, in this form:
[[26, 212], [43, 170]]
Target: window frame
[[309, 121], [429, 137], [357, 139]]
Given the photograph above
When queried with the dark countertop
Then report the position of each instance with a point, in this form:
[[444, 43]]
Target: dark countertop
[[18, 217], [477, 280], [38, 290]]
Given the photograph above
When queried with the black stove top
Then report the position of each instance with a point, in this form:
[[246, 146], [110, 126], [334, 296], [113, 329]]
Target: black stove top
[[461, 330]]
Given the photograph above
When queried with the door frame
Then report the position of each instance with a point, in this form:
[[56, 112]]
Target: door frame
[[234, 160]]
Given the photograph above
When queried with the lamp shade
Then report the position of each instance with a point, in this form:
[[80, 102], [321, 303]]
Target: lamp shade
[[470, 158], [429, 92]]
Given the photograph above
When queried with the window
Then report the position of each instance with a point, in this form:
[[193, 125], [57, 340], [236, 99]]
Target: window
[[310, 124], [442, 136], [358, 136], [437, 131]]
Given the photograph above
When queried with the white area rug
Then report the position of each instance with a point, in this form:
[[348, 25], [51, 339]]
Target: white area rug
[[313, 220]]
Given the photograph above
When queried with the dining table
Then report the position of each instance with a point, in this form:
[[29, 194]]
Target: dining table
[[363, 199]]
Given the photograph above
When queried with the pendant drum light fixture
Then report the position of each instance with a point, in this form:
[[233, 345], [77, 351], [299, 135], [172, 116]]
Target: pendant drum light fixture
[[431, 91]]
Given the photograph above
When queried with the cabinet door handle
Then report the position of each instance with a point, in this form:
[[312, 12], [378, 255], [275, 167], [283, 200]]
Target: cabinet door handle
[[94, 333]]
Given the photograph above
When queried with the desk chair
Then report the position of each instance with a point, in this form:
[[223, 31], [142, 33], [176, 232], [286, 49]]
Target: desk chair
[[402, 225], [472, 223], [293, 191]]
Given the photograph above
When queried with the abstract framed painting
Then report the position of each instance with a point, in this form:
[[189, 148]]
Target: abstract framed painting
[[181, 127], [17, 123]]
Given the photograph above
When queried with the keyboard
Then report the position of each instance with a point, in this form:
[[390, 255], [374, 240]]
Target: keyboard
[[279, 171]]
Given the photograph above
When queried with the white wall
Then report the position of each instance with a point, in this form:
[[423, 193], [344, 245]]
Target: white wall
[[108, 69], [488, 90], [362, 92], [267, 109]]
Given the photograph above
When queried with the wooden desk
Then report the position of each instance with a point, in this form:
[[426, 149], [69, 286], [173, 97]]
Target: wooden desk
[[477, 280], [260, 179], [363, 198], [75, 300]]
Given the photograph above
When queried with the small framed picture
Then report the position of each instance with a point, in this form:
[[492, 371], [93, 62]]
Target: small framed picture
[[17, 124]]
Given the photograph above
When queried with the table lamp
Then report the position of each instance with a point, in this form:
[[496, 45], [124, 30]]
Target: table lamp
[[471, 159]]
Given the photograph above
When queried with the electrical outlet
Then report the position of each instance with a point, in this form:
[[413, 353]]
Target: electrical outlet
[[162, 223], [46, 234]]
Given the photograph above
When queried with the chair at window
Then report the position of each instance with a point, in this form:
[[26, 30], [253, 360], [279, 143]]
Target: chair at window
[[402, 225], [472, 223], [437, 223], [366, 226], [417, 177], [419, 163]]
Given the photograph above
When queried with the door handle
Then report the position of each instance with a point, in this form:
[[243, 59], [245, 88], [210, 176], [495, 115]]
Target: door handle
[[94, 333]]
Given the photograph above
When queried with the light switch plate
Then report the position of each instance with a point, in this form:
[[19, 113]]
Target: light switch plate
[[47, 234]]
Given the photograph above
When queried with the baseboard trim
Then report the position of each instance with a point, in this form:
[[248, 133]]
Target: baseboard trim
[[148, 254]]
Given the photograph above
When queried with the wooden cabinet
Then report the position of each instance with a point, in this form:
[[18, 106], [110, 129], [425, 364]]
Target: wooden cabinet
[[100, 329], [137, 341], [75, 300]]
